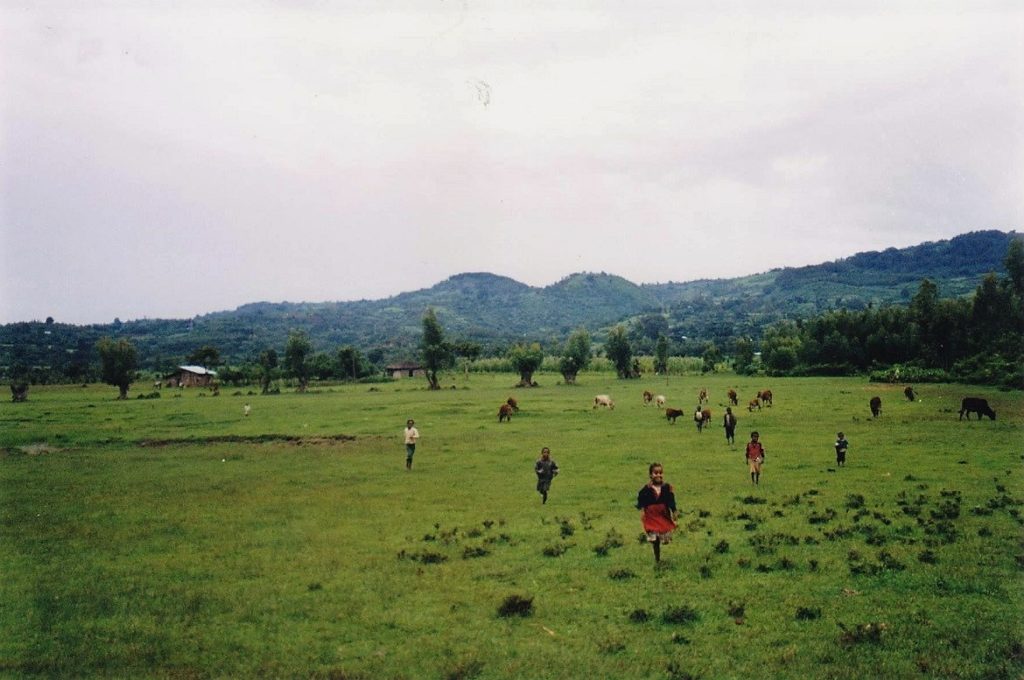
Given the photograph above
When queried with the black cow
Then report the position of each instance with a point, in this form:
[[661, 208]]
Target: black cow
[[976, 405], [876, 406], [909, 393]]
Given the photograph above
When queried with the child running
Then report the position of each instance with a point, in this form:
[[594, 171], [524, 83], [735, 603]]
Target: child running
[[546, 470], [657, 504], [755, 456]]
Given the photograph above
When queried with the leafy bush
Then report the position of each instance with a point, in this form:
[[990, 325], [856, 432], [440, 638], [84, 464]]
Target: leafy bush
[[911, 374]]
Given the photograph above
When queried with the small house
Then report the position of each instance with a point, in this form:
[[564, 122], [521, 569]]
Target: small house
[[192, 376], [405, 370]]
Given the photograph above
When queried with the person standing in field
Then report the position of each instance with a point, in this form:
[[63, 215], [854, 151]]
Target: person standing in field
[[730, 426], [411, 435], [546, 469], [656, 502], [698, 417], [755, 457], [841, 446]]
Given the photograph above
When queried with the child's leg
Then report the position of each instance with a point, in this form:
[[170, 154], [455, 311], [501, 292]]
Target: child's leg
[[657, 549]]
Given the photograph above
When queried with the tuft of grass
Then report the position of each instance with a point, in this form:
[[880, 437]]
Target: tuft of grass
[[682, 614]]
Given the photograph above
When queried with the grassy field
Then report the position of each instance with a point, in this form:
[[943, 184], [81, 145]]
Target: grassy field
[[175, 537]]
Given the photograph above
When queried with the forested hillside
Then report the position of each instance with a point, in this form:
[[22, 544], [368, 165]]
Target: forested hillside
[[495, 311]]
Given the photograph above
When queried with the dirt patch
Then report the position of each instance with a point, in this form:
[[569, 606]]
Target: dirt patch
[[39, 449], [317, 440]]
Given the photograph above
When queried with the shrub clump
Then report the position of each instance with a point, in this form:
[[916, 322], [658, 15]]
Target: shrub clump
[[808, 613], [861, 633], [516, 605], [621, 574], [680, 615]]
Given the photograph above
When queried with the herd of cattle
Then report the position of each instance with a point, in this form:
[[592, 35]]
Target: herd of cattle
[[968, 405]]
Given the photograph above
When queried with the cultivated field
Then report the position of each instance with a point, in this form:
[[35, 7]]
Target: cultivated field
[[175, 537]]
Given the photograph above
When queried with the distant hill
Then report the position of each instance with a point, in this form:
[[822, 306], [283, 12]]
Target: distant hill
[[496, 310]]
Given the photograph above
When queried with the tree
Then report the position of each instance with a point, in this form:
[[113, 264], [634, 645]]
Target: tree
[[576, 356], [617, 348], [268, 364], [350, 363], [743, 358], [296, 351], [661, 355], [118, 360], [526, 360], [1014, 264], [206, 356], [711, 356], [437, 353]]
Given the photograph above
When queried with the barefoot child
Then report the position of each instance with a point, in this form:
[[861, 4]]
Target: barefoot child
[[546, 470], [755, 456], [841, 446], [657, 504]]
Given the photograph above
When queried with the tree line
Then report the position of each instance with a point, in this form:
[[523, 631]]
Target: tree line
[[975, 339]]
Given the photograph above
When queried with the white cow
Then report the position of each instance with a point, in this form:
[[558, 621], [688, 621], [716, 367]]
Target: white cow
[[660, 400], [604, 400]]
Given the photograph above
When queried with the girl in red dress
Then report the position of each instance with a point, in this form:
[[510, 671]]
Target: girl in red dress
[[657, 504]]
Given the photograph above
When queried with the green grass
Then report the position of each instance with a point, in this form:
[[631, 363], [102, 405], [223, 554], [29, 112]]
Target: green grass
[[173, 537]]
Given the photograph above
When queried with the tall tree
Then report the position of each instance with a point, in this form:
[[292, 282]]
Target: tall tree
[[526, 360], [268, 364], [661, 355], [118, 361], [617, 348], [350, 363], [437, 353], [296, 352], [575, 356], [743, 357], [711, 356], [1014, 264]]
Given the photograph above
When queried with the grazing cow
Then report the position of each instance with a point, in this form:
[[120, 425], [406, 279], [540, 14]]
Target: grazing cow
[[703, 396], [908, 392], [513, 403], [604, 400], [754, 403], [660, 401], [976, 405], [671, 414], [705, 417], [504, 413], [733, 398], [648, 397], [876, 406], [766, 397]]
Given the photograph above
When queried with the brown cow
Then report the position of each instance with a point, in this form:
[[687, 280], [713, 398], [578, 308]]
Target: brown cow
[[909, 393], [766, 397], [505, 413], [703, 396], [876, 406], [733, 398], [672, 413], [754, 403], [705, 418], [648, 397], [513, 403]]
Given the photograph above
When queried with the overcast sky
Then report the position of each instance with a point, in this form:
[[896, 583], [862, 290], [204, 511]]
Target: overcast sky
[[169, 159]]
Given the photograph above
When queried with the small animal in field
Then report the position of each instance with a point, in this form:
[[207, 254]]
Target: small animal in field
[[659, 401], [705, 417], [765, 396], [702, 396], [977, 405], [733, 398], [247, 409], [754, 403], [908, 392], [504, 413], [876, 406], [604, 400], [513, 403], [671, 414], [648, 397]]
